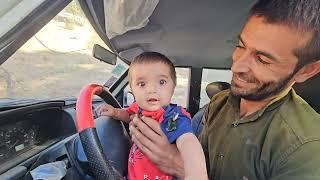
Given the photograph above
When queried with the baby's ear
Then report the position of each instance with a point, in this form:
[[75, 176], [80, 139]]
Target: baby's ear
[[307, 72]]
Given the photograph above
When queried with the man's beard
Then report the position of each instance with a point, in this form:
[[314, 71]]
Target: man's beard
[[262, 90]]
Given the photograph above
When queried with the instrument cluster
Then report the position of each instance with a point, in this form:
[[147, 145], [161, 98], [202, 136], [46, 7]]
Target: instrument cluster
[[18, 137]]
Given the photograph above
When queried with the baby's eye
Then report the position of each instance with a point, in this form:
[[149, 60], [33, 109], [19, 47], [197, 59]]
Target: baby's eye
[[162, 82], [141, 84]]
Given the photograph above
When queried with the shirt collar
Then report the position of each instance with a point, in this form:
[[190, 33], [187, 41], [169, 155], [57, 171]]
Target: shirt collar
[[234, 102]]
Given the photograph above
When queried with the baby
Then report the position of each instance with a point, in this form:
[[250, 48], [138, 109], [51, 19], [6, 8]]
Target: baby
[[152, 79]]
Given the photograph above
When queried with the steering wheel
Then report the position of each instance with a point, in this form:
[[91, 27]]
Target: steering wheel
[[99, 164]]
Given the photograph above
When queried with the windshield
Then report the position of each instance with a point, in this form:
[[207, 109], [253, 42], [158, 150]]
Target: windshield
[[57, 62]]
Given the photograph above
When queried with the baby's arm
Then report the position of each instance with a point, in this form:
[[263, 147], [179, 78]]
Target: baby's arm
[[115, 113], [193, 157]]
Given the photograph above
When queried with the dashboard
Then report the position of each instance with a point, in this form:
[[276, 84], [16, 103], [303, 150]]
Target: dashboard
[[18, 137], [26, 131], [42, 133]]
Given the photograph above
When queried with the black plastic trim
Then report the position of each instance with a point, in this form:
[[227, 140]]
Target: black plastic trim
[[30, 25], [194, 92], [14, 173], [97, 19], [118, 82]]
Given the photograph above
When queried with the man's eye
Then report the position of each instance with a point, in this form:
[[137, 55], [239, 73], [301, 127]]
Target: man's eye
[[240, 46], [162, 82], [262, 61], [141, 84]]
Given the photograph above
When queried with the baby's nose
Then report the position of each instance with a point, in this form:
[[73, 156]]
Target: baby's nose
[[152, 89]]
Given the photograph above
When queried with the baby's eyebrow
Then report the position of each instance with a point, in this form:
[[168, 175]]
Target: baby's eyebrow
[[140, 79], [163, 76]]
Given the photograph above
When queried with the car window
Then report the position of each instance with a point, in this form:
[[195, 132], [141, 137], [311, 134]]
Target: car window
[[212, 75], [57, 61], [180, 95]]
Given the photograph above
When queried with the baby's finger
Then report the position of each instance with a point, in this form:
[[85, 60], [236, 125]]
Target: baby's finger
[[105, 113], [99, 107]]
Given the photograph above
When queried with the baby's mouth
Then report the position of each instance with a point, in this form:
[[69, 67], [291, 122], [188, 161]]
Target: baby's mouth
[[152, 100]]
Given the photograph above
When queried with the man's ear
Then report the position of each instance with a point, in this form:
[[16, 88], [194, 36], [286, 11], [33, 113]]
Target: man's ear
[[307, 72]]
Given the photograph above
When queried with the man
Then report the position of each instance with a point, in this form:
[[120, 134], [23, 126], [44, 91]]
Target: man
[[260, 128]]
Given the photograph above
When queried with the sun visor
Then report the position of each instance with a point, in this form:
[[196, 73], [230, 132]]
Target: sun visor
[[129, 54], [122, 16]]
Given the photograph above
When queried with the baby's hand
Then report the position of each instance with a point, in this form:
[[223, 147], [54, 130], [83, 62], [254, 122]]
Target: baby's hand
[[105, 110]]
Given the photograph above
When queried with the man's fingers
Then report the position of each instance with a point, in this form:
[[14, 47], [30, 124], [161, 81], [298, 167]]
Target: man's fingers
[[146, 130], [144, 149], [146, 137], [154, 125], [157, 149], [136, 132], [140, 140]]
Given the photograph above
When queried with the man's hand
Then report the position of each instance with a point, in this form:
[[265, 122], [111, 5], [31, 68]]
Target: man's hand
[[147, 135]]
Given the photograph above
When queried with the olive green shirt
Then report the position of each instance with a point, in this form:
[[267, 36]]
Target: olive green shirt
[[280, 141]]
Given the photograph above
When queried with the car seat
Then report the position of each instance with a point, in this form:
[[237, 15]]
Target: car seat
[[211, 90]]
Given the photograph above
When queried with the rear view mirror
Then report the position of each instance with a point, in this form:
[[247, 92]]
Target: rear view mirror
[[104, 55]]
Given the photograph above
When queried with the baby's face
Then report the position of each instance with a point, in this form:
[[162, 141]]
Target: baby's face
[[152, 85]]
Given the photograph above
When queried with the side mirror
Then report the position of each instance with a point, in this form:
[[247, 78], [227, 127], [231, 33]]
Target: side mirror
[[104, 55]]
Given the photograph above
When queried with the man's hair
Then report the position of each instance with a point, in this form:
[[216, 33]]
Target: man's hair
[[301, 15], [154, 57]]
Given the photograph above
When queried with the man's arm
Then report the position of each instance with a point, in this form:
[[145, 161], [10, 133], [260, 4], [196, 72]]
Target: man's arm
[[193, 157], [147, 135], [303, 163]]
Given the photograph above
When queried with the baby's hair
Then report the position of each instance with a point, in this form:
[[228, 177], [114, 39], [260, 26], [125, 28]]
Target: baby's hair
[[154, 57]]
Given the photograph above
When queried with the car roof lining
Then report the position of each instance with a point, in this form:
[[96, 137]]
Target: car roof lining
[[191, 34]]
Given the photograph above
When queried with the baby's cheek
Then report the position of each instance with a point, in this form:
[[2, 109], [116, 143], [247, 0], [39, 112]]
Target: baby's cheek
[[143, 106], [167, 100]]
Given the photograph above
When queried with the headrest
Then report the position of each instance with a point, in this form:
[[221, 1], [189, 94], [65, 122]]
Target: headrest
[[310, 92], [215, 87]]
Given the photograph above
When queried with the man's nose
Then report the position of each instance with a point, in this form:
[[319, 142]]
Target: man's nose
[[242, 63]]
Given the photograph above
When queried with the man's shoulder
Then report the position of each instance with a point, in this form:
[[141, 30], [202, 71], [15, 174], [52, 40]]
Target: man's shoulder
[[221, 97], [300, 119], [296, 111], [217, 102], [294, 125]]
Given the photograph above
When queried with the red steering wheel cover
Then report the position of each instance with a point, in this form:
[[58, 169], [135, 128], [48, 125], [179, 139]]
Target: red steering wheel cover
[[84, 106]]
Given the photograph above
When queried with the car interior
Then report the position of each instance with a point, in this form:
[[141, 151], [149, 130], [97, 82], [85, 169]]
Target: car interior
[[195, 35]]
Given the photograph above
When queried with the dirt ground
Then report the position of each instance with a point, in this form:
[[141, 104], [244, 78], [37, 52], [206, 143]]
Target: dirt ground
[[57, 63]]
